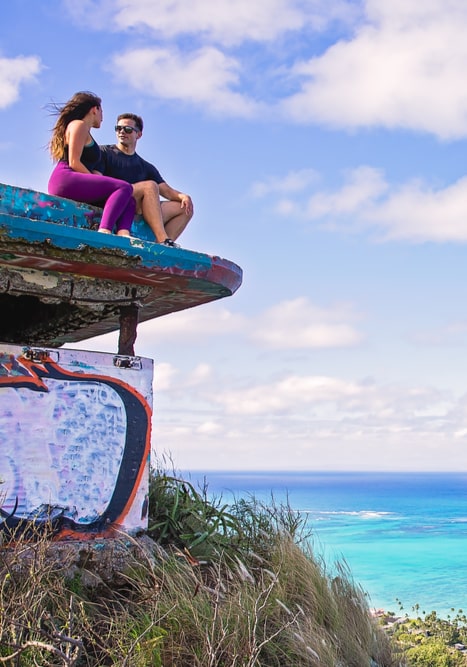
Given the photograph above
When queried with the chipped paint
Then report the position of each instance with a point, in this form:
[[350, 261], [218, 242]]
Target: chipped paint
[[41, 279], [54, 237]]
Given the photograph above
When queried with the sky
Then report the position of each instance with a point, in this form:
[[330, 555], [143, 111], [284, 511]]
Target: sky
[[323, 143]]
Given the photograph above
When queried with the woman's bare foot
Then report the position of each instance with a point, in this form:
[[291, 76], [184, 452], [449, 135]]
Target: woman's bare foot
[[104, 231]]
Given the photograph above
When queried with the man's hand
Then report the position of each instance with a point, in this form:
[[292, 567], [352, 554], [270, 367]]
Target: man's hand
[[186, 203]]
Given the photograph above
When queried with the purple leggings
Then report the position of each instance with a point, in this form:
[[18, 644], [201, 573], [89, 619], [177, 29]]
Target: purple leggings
[[119, 207]]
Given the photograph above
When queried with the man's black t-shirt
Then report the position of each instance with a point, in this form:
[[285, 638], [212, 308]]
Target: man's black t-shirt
[[130, 168]]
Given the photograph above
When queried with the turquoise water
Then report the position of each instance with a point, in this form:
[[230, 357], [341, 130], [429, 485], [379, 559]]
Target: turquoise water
[[404, 536]]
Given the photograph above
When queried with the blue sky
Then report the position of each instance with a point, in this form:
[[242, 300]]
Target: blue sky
[[323, 144]]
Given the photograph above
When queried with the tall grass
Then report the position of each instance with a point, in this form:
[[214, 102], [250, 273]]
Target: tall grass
[[215, 586]]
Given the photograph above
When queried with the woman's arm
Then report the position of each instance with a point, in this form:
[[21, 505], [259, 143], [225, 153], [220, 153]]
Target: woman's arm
[[77, 135]]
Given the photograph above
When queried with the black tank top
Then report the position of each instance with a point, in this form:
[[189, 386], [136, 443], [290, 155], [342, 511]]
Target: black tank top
[[90, 156]]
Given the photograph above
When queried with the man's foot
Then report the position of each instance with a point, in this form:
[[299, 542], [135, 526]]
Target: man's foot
[[170, 243]]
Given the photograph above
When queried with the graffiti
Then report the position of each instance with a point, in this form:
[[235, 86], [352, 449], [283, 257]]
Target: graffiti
[[75, 441]]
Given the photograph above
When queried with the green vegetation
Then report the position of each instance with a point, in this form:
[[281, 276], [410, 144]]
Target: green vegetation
[[428, 640], [218, 587]]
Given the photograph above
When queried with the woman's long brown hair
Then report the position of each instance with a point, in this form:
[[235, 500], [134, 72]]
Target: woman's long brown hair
[[75, 109]]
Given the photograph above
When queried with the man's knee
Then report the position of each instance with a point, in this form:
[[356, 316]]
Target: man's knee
[[145, 189], [150, 187]]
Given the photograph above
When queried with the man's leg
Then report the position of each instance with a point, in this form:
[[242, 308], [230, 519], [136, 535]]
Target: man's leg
[[175, 218], [148, 204]]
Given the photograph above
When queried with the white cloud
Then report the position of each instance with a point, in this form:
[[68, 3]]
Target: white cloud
[[313, 399], [299, 324], [391, 63], [212, 70], [293, 182], [96, 14], [197, 324], [205, 78], [404, 67], [414, 211], [285, 395], [164, 374], [14, 72], [317, 422], [417, 212], [200, 375], [450, 335], [223, 22], [289, 325], [210, 428], [364, 185]]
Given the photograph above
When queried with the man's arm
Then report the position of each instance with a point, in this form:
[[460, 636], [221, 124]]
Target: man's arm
[[166, 191]]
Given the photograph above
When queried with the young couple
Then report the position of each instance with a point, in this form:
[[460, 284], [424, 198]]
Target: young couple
[[114, 177]]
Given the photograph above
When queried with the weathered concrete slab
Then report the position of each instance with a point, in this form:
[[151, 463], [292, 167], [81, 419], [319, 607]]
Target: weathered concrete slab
[[63, 282]]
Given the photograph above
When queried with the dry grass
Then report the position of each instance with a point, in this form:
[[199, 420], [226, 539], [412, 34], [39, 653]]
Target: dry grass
[[261, 599]]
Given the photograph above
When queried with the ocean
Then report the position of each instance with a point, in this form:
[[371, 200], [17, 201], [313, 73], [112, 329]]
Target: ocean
[[403, 535]]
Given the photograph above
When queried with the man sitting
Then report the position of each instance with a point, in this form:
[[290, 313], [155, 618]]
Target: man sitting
[[167, 219]]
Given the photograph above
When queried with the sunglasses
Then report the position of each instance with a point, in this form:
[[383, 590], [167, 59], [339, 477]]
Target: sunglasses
[[126, 128]]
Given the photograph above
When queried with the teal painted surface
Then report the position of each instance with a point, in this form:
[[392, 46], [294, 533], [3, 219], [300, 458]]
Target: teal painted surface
[[35, 205], [143, 253]]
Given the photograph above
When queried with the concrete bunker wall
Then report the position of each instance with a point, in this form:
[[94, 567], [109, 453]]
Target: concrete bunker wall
[[75, 433]]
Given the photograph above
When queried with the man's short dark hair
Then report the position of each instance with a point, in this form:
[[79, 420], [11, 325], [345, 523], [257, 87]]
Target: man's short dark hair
[[137, 119]]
